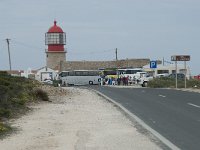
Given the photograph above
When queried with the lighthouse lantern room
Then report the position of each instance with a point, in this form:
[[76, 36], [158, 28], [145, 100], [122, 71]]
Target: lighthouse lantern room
[[55, 38]]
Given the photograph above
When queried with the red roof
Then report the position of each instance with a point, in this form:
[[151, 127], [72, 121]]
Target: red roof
[[55, 29]]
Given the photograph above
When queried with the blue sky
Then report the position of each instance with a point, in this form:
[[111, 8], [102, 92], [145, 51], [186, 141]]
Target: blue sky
[[138, 28]]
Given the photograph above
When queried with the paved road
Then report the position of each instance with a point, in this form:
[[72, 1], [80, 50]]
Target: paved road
[[174, 114]]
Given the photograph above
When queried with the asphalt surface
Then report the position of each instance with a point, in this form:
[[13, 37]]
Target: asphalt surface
[[174, 114]]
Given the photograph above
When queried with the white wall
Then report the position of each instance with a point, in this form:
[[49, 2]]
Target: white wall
[[44, 73], [170, 68]]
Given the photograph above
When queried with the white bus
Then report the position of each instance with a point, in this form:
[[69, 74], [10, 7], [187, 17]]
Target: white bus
[[63, 74], [129, 72], [81, 77]]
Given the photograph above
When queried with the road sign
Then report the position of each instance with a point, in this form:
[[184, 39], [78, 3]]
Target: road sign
[[153, 64], [180, 58]]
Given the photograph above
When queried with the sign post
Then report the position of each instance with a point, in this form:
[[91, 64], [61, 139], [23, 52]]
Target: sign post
[[176, 74], [181, 58], [185, 73], [153, 65]]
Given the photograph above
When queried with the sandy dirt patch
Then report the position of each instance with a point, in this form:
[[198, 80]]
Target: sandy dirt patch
[[82, 120]]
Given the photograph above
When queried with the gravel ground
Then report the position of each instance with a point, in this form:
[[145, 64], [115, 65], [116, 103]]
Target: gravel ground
[[81, 120]]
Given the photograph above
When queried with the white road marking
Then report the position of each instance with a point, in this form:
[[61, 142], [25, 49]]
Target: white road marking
[[193, 105], [162, 95]]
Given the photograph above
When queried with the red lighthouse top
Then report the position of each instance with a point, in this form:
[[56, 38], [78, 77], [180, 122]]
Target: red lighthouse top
[[55, 38], [55, 29]]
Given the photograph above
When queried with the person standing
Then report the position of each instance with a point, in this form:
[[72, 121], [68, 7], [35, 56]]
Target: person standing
[[126, 81], [118, 81]]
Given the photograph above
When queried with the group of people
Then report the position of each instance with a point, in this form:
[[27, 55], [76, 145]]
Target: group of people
[[123, 80], [116, 81]]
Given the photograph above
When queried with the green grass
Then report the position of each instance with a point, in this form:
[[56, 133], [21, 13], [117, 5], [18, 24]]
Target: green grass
[[15, 93], [4, 128]]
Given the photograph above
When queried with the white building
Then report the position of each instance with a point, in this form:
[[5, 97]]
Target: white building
[[46, 73], [26, 73], [167, 69]]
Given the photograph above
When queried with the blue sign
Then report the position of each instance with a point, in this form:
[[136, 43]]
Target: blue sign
[[153, 64]]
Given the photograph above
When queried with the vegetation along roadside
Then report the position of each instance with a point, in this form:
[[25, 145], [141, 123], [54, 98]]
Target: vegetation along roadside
[[166, 82], [15, 93]]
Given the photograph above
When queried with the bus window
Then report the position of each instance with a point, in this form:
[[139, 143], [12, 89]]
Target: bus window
[[63, 74], [93, 73], [85, 73], [72, 73], [78, 73]]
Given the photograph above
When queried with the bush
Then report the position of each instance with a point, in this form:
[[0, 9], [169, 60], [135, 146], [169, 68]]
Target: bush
[[171, 83], [4, 82], [42, 95], [19, 101], [56, 82], [3, 73], [193, 83], [161, 83], [3, 92], [5, 113], [15, 92], [4, 129]]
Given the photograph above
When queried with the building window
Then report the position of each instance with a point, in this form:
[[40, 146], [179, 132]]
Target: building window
[[162, 71], [173, 71], [182, 70]]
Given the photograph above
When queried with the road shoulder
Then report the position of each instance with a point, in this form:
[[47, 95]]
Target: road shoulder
[[81, 120]]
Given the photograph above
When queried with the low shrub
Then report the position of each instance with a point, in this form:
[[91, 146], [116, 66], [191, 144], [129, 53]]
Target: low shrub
[[193, 83], [6, 113], [4, 82], [161, 83], [171, 83], [3, 92], [56, 83], [3, 73], [40, 94], [15, 92], [19, 101], [4, 129]]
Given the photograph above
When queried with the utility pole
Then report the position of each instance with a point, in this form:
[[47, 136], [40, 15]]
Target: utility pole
[[116, 53], [117, 65], [163, 62], [8, 42]]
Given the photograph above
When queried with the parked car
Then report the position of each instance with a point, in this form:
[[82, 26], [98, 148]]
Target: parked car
[[47, 81], [143, 81], [162, 75], [180, 76], [197, 77]]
